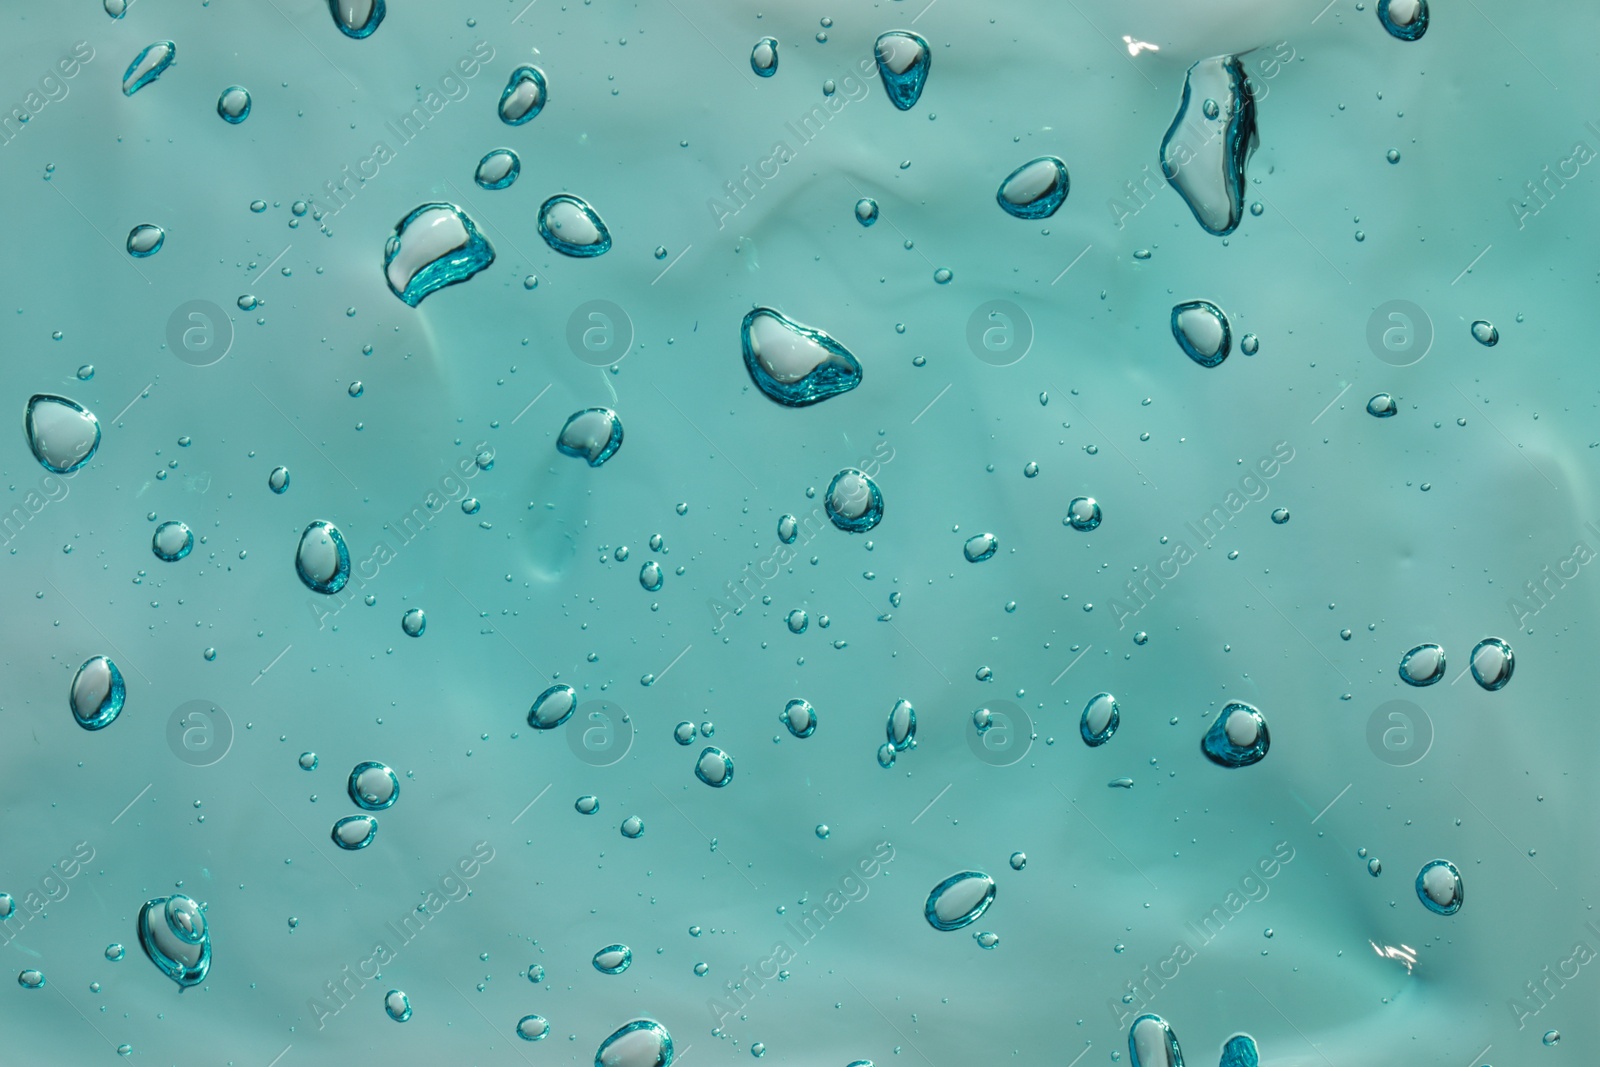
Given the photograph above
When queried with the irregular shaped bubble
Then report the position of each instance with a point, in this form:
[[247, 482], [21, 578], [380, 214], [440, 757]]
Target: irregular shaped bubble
[[980, 547], [233, 106], [97, 693], [800, 717], [1405, 19], [1383, 406], [1083, 514], [355, 832], [145, 240], [373, 786], [62, 433], [1099, 721], [793, 364], [1240, 1051], [641, 1043], [853, 502], [901, 728], [357, 18], [866, 211], [1492, 663], [651, 576], [532, 1027], [1238, 737], [414, 622], [683, 733], [1202, 332], [172, 541], [148, 65], [322, 559], [586, 805], [1439, 887], [573, 228], [498, 170], [593, 435], [397, 1005], [1485, 334], [523, 97], [434, 246], [903, 61], [788, 529], [278, 480], [764, 57], [1423, 665], [1207, 147], [553, 707], [714, 767], [959, 900], [1035, 190], [174, 935], [613, 959]]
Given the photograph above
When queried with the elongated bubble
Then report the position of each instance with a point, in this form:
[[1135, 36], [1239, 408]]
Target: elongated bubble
[[793, 364], [1209, 143], [434, 246], [903, 61], [174, 935], [523, 97], [357, 18], [573, 228], [959, 900], [1035, 190], [322, 559], [148, 65], [98, 693], [764, 57]]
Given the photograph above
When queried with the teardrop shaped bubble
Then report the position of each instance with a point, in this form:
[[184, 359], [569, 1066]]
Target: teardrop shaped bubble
[[553, 707], [1036, 189], [322, 560], [903, 61], [980, 547], [278, 480], [641, 1043], [1202, 332], [1485, 334], [854, 502], [357, 18], [959, 900], [901, 728], [1374, 866], [31, 979], [1238, 737], [1240, 1051], [234, 104], [1382, 405], [1083, 513], [532, 1027], [397, 1005], [1405, 19], [1423, 665], [62, 433], [613, 959], [373, 786], [172, 541], [586, 805], [764, 57], [866, 211], [714, 767], [434, 246], [651, 577], [788, 529], [1151, 1043], [800, 717], [1204, 158], [797, 621], [97, 693], [498, 170], [1100, 718], [355, 832], [523, 97], [683, 733], [573, 228], [1492, 663], [174, 935], [148, 65], [414, 622], [1439, 887], [593, 435], [795, 365], [145, 240]]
